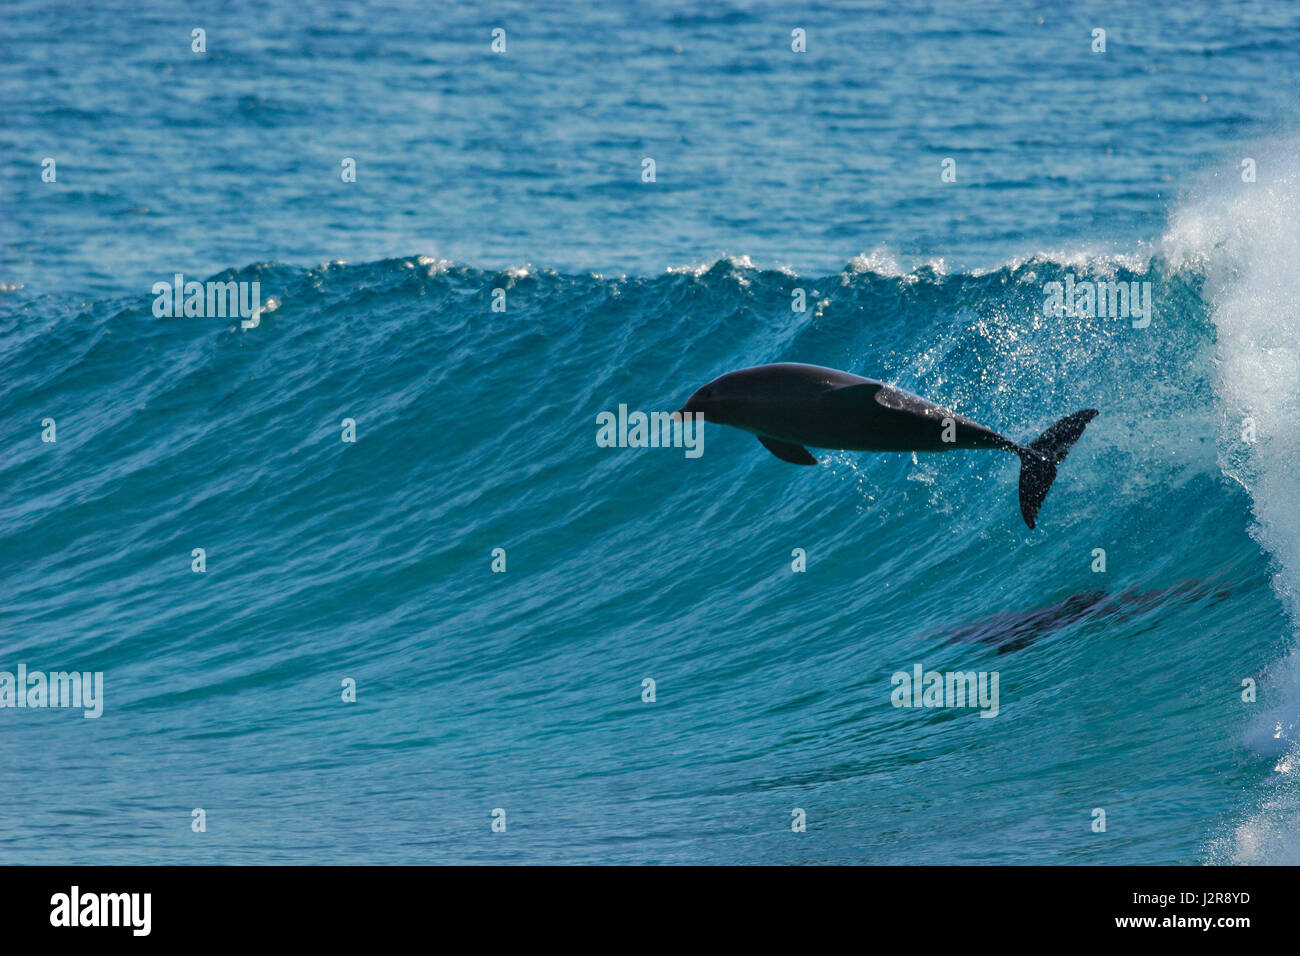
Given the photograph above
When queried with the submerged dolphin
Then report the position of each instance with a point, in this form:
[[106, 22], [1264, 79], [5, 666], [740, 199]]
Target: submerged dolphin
[[789, 406], [1008, 631]]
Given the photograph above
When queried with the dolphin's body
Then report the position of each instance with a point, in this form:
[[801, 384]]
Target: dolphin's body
[[791, 406], [1009, 631]]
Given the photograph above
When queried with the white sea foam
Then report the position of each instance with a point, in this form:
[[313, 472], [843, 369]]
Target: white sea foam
[[880, 261], [434, 266], [1245, 239], [737, 263]]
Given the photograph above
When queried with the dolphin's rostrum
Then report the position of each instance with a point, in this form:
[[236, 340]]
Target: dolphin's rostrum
[[790, 406]]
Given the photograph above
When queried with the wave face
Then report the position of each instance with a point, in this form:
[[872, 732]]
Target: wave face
[[476, 430]]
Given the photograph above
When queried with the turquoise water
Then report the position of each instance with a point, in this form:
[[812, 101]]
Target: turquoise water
[[476, 429]]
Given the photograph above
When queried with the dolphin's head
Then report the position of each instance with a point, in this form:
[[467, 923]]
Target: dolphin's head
[[718, 401]]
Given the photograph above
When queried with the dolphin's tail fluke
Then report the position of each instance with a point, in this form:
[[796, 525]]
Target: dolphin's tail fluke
[[1039, 459]]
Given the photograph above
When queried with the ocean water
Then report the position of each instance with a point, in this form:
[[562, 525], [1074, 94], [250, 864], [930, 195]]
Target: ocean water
[[372, 561]]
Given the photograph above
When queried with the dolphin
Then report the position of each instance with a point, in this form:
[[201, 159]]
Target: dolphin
[[1009, 631], [790, 406]]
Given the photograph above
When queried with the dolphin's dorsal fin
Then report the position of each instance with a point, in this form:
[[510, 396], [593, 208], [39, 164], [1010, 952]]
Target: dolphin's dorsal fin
[[786, 451], [862, 392], [886, 396]]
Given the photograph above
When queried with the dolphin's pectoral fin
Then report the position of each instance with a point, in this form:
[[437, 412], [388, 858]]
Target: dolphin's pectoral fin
[[786, 451]]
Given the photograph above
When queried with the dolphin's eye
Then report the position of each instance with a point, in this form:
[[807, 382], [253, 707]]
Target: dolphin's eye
[[708, 393]]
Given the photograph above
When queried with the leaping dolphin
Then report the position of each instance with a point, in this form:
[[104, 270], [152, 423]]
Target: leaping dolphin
[[790, 406]]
